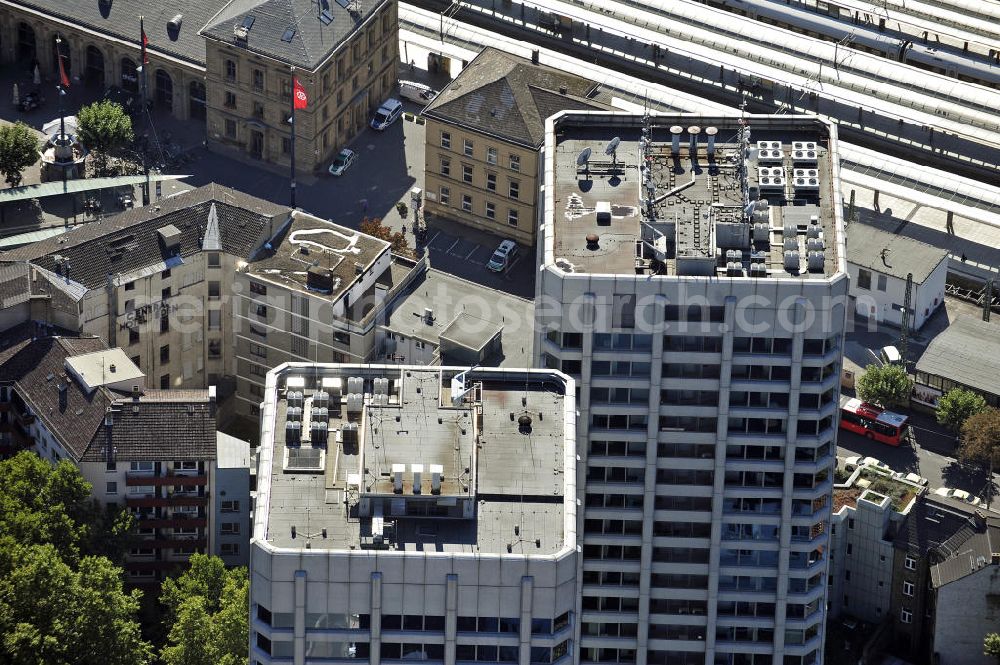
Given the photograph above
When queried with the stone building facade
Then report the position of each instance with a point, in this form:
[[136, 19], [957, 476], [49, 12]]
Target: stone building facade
[[101, 48], [484, 132], [347, 67]]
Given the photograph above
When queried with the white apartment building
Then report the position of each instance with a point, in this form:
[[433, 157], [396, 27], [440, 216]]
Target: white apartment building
[[693, 282], [408, 512]]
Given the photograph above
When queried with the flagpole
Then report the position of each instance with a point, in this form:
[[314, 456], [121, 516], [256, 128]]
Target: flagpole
[[292, 123], [145, 115], [62, 93]]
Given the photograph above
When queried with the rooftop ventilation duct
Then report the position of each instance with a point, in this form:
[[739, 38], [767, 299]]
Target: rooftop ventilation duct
[[319, 279]]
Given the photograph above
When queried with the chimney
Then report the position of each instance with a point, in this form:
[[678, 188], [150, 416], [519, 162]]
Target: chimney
[[135, 393], [397, 478], [534, 56], [418, 476], [437, 471]]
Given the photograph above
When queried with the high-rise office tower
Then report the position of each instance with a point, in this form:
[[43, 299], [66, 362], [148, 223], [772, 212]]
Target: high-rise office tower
[[414, 513], [693, 281]]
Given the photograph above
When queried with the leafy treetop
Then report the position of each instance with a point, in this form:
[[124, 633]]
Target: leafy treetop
[[18, 150], [885, 385], [957, 405]]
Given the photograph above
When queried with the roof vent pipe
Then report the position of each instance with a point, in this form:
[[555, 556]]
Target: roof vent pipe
[[711, 132], [675, 139], [694, 130]]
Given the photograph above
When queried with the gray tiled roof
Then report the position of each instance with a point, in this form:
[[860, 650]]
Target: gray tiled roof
[[36, 371], [129, 241], [162, 425], [967, 351], [968, 555], [122, 21], [312, 41], [159, 426], [929, 524], [509, 97], [906, 255]]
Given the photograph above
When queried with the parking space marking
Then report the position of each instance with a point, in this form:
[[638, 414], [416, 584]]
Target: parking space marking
[[457, 240], [434, 237], [474, 250], [506, 273]]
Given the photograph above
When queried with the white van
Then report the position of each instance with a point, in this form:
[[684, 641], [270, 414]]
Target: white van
[[503, 256], [889, 355], [417, 92]]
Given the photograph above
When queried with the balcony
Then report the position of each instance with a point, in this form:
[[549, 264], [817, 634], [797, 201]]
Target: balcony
[[156, 502], [175, 522], [138, 479], [172, 543]]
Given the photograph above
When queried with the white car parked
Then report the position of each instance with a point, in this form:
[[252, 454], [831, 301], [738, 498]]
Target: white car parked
[[851, 463], [910, 478], [343, 161], [958, 495]]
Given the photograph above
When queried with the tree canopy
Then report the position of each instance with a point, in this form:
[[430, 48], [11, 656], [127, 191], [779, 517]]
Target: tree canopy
[[104, 127], [60, 604], [957, 405], [18, 150], [375, 227], [207, 612], [991, 646], [980, 438], [885, 385]]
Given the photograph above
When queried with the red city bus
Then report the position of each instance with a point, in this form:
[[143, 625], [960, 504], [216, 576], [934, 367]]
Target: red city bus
[[873, 421]]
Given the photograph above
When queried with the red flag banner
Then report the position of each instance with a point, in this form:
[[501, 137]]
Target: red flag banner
[[299, 95], [145, 43], [62, 72]]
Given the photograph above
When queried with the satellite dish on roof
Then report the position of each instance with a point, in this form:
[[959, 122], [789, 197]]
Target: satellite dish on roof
[[583, 157], [612, 149]]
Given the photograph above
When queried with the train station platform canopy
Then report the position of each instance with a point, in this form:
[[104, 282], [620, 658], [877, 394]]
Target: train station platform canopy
[[46, 189]]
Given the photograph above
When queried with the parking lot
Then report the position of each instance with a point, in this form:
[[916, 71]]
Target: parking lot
[[466, 255]]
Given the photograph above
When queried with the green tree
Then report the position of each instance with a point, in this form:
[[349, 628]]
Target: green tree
[[207, 613], [885, 385], [58, 604], [104, 127], [53, 615], [958, 404], [991, 646], [45, 504], [191, 635], [18, 150]]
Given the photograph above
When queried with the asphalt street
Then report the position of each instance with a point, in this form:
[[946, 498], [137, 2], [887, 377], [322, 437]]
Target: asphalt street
[[930, 451]]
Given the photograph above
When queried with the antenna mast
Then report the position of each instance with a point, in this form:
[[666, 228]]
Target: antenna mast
[[743, 164]]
